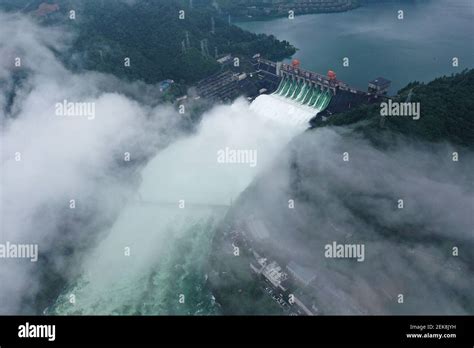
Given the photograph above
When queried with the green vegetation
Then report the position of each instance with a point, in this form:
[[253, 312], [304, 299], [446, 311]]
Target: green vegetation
[[446, 113], [152, 35]]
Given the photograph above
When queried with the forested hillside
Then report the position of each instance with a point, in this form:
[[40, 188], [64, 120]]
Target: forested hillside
[[152, 35], [446, 112]]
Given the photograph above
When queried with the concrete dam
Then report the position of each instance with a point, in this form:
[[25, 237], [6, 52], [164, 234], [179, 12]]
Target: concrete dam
[[287, 93], [294, 101], [291, 94]]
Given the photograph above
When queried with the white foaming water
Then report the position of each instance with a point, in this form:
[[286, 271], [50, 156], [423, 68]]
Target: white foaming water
[[283, 110], [168, 244]]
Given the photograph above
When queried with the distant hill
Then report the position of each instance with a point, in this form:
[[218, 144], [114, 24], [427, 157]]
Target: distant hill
[[446, 113]]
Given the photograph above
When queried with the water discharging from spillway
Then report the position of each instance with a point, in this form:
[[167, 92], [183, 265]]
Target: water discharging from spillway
[[157, 248], [293, 102]]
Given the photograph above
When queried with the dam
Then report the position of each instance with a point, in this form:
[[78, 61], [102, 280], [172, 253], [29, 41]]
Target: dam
[[308, 94], [296, 100], [288, 93]]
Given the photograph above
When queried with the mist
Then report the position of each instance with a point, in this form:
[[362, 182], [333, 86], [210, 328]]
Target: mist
[[127, 213], [408, 250], [184, 194], [48, 159]]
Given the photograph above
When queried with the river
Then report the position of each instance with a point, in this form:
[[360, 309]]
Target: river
[[421, 46]]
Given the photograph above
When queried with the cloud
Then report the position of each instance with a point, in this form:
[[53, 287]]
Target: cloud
[[64, 157], [82, 158], [153, 225], [407, 251]]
